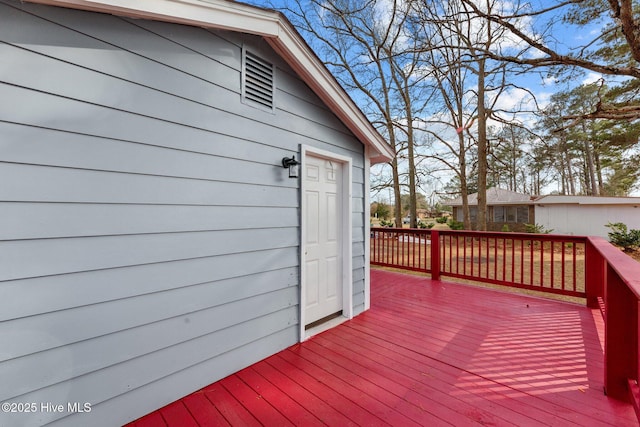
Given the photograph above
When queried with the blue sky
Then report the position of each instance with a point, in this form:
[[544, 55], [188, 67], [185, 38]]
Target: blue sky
[[539, 82]]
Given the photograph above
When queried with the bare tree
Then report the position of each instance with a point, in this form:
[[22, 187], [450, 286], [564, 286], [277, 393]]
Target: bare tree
[[444, 55], [371, 51], [457, 39], [411, 93]]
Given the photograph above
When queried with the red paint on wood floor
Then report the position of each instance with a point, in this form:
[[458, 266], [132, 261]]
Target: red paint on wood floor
[[427, 353]]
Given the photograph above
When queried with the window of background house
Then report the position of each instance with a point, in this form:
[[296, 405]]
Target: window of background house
[[523, 214]]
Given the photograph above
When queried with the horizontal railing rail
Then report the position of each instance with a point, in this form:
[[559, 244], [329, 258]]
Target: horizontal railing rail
[[588, 267], [541, 262]]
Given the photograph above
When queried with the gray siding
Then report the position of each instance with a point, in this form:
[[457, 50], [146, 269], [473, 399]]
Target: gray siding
[[149, 242]]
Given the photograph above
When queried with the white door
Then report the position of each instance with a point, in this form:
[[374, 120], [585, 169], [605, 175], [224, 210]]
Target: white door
[[323, 234]]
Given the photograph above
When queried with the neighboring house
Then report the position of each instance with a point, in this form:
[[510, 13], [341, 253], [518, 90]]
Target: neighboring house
[[586, 215], [151, 242], [571, 215], [423, 213], [504, 207]]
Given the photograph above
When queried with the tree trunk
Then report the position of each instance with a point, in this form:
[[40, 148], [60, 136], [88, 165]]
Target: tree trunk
[[563, 172], [572, 182], [590, 177], [397, 211], [397, 204], [596, 157], [514, 162], [462, 173], [590, 170], [413, 202], [482, 149], [569, 169]]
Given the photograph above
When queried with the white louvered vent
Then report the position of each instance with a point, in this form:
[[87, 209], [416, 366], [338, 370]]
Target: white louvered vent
[[258, 81]]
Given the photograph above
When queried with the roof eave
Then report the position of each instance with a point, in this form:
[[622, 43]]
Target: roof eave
[[295, 51], [211, 13]]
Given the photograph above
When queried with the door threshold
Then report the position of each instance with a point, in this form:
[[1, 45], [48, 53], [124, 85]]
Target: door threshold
[[323, 325]]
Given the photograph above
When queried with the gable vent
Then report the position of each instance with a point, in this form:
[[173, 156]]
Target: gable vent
[[258, 81]]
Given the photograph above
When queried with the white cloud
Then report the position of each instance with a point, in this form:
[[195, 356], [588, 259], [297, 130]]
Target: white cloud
[[591, 78], [515, 99], [543, 99], [388, 14]]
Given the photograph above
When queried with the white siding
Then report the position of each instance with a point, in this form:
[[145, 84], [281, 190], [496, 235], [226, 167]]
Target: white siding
[[149, 242], [586, 220]]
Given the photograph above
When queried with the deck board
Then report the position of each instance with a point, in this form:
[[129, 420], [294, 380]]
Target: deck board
[[228, 406], [178, 414], [205, 413], [324, 412], [432, 381], [355, 412], [263, 410], [270, 392], [426, 353]]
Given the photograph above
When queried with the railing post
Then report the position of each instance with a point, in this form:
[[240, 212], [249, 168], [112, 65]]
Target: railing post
[[621, 336], [435, 255], [594, 274]]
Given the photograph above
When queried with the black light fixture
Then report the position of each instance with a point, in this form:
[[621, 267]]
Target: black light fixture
[[293, 165]]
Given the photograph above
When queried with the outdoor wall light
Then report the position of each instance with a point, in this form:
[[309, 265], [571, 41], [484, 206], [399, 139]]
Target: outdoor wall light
[[293, 165]]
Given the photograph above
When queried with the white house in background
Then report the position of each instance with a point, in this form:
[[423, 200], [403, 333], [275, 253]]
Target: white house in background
[[586, 215], [151, 241], [572, 215]]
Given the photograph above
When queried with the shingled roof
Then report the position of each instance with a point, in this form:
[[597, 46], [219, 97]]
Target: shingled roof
[[496, 196]]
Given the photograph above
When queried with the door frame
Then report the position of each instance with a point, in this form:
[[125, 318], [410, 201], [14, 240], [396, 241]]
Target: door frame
[[344, 187]]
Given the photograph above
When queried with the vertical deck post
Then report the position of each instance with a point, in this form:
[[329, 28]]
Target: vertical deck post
[[621, 336], [594, 274], [435, 255]]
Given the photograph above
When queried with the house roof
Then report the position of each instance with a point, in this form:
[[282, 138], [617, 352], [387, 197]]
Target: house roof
[[496, 196], [499, 196], [586, 200], [274, 27]]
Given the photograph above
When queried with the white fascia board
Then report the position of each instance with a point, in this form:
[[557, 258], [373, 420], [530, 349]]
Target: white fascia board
[[271, 25], [212, 13]]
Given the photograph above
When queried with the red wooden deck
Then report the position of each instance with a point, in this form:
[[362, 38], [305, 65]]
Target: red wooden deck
[[427, 353]]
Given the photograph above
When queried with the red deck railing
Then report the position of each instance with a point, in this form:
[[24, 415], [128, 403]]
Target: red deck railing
[[541, 262], [614, 285], [401, 248], [587, 267]]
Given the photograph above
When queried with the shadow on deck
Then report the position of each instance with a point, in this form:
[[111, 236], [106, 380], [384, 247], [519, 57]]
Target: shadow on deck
[[426, 353]]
